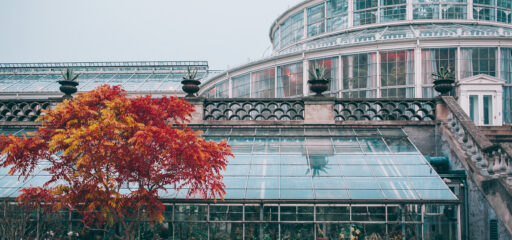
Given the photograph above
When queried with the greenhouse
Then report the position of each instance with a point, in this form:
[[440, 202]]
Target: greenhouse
[[298, 183]]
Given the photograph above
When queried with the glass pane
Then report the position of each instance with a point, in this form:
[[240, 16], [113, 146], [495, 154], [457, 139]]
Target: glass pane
[[226, 231], [297, 231], [198, 231], [337, 213], [373, 145], [297, 213], [368, 213], [226, 212], [190, 212]]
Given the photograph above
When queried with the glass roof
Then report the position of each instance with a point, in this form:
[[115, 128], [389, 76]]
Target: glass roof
[[401, 33], [103, 64], [131, 82], [159, 76], [310, 164]]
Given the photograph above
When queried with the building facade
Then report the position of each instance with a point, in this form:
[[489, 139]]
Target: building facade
[[386, 49], [377, 158]]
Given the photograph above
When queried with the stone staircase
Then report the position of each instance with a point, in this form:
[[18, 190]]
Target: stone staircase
[[498, 134]]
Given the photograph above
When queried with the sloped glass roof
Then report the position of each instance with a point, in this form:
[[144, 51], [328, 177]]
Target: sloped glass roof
[[133, 76], [338, 164], [132, 82]]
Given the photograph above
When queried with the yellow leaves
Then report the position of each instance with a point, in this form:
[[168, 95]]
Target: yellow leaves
[[160, 218]]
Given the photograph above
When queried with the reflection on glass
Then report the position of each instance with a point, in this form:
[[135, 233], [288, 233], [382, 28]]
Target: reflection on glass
[[289, 80], [359, 72]]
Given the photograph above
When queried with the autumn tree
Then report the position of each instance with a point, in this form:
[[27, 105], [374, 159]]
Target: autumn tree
[[110, 156]]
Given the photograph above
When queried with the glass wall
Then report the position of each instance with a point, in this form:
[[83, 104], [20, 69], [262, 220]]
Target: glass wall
[[292, 29], [312, 221], [454, 11], [432, 61], [222, 89], [275, 39], [316, 20], [476, 61], [425, 11], [506, 74], [506, 65], [394, 10], [507, 104], [397, 73], [365, 12], [359, 75], [331, 65], [210, 93], [492, 10], [263, 83], [332, 15], [337, 14], [289, 80], [241, 86]]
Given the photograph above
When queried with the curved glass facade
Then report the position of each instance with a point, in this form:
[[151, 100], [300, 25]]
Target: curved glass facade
[[332, 15], [381, 48]]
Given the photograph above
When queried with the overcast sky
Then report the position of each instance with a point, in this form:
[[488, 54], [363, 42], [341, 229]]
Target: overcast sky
[[223, 32]]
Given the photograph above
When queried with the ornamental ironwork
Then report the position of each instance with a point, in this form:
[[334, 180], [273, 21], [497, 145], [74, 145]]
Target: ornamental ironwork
[[22, 111], [385, 109], [254, 109]]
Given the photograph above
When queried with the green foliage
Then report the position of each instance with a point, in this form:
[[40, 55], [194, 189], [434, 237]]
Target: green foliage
[[443, 74], [191, 74], [68, 75], [319, 72]]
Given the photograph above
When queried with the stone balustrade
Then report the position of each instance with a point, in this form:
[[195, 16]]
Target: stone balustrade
[[492, 160], [378, 109], [253, 109], [23, 110]]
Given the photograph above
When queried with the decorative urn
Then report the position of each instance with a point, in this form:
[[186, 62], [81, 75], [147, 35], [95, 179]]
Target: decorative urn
[[318, 86], [190, 83], [68, 83], [68, 87], [443, 81], [190, 86], [318, 80]]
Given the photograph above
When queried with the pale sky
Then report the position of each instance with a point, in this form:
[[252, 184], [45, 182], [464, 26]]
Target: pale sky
[[223, 32]]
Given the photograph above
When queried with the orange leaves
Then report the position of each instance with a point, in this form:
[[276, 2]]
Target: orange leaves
[[115, 153]]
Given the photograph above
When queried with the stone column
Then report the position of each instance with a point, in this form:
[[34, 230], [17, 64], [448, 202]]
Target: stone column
[[197, 115], [319, 110], [442, 111]]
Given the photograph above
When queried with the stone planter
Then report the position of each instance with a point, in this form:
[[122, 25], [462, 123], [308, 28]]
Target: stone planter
[[68, 87], [318, 86], [443, 86], [190, 86]]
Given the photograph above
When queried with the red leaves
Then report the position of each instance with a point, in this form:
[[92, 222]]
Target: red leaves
[[36, 198], [116, 153]]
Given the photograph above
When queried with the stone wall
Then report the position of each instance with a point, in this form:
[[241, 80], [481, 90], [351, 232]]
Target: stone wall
[[479, 210]]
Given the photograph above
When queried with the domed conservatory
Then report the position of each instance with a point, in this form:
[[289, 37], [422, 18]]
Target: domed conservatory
[[388, 49], [380, 157]]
